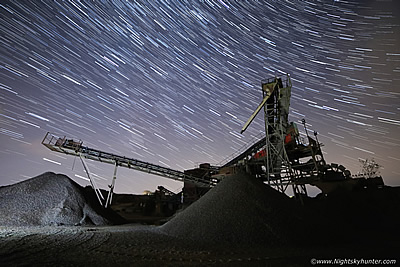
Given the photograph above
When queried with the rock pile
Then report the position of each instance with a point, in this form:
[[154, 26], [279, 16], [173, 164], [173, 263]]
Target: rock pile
[[47, 199], [240, 210]]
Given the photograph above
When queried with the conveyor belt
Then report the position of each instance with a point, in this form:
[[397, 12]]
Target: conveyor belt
[[74, 148], [256, 146]]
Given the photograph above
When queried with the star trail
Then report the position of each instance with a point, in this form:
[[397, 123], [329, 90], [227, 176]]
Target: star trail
[[172, 82]]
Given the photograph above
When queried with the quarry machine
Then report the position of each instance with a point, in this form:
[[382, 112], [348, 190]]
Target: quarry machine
[[280, 157], [75, 148], [277, 160]]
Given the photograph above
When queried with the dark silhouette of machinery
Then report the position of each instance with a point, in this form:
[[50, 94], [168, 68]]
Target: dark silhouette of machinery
[[281, 157], [75, 148]]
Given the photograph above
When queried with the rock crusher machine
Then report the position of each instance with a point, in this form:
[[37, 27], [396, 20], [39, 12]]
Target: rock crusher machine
[[281, 157]]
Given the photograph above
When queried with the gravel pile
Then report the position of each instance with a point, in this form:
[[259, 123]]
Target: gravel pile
[[47, 199], [240, 210]]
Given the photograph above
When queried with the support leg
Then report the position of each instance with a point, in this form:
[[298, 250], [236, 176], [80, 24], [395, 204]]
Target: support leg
[[92, 182], [111, 192]]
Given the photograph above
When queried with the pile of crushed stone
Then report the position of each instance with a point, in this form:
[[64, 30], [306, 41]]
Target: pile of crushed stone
[[240, 210], [47, 199]]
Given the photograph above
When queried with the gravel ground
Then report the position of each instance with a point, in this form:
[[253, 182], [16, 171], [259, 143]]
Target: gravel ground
[[124, 245], [239, 211], [136, 245], [47, 199], [240, 222]]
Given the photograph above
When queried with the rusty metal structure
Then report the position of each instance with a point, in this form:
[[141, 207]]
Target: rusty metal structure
[[278, 160], [280, 157], [75, 148]]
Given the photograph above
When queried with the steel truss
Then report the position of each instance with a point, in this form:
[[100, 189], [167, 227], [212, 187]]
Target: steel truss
[[277, 167], [75, 148]]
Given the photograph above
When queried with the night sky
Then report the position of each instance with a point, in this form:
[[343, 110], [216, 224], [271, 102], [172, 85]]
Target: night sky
[[173, 82]]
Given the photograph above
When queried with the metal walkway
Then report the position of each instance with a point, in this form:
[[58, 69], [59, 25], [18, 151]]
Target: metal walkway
[[75, 148], [248, 152]]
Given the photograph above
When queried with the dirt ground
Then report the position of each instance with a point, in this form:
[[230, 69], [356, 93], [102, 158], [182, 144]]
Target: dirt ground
[[124, 245], [240, 222], [138, 245]]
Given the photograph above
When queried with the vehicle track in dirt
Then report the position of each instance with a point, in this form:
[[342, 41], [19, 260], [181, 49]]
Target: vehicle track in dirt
[[111, 246]]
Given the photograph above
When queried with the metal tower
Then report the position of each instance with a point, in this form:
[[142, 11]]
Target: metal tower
[[274, 165]]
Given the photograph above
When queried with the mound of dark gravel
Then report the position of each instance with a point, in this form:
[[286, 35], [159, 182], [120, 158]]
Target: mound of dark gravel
[[47, 199], [240, 210]]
